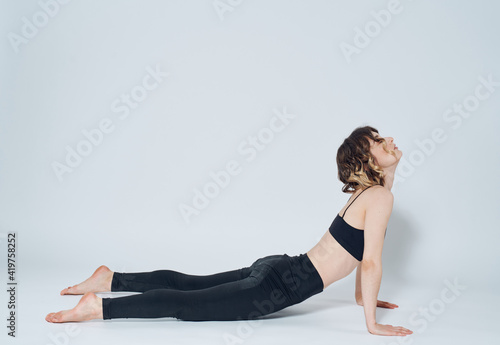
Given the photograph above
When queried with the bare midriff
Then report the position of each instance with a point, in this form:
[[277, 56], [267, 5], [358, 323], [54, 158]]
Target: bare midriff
[[331, 260]]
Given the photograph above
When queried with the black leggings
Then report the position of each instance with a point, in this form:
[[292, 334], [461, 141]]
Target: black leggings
[[270, 284]]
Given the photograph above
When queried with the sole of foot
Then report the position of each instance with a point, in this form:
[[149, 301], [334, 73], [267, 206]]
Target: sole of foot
[[99, 281], [88, 308]]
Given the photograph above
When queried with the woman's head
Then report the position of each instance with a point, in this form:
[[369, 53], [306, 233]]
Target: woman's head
[[363, 158]]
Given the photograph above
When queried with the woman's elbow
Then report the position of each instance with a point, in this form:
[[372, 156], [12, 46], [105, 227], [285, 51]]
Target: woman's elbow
[[371, 264]]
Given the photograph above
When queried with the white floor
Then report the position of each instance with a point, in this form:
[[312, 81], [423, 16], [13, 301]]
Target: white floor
[[330, 317]]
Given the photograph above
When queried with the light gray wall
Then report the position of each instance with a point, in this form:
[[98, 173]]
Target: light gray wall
[[223, 76]]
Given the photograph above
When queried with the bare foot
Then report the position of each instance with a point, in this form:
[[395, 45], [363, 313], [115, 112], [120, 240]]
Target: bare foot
[[99, 281], [89, 308]]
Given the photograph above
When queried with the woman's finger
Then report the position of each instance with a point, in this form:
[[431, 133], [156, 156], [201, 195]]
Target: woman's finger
[[387, 304]]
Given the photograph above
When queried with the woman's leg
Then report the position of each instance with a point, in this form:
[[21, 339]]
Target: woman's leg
[[247, 298], [105, 280], [243, 299], [264, 291], [274, 283], [168, 279]]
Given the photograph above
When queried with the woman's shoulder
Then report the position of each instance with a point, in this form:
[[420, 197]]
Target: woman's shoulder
[[379, 194]]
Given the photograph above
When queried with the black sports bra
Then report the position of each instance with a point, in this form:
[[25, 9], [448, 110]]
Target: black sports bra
[[347, 236]]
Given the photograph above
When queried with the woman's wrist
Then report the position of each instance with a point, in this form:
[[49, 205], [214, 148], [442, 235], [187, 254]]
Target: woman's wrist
[[359, 300], [370, 325]]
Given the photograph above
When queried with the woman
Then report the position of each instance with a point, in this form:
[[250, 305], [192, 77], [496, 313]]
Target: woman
[[366, 165]]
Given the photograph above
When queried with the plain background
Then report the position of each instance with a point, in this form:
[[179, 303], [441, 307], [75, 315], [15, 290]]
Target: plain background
[[228, 75]]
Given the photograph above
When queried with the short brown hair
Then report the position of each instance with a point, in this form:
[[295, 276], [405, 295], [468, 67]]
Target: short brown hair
[[357, 168]]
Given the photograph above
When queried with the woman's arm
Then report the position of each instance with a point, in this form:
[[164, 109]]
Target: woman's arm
[[371, 276], [359, 297], [376, 219], [357, 291]]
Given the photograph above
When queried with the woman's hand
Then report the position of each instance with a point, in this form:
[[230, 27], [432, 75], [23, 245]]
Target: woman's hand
[[379, 329], [381, 304]]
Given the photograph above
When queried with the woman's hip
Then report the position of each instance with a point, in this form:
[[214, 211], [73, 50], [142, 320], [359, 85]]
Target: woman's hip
[[294, 277]]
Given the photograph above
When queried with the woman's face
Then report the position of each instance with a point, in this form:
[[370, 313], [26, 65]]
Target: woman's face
[[384, 159]]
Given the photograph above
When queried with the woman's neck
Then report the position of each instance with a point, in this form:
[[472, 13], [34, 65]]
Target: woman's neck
[[389, 177]]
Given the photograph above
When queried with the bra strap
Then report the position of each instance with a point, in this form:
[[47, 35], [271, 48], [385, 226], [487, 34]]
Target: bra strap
[[354, 200]]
